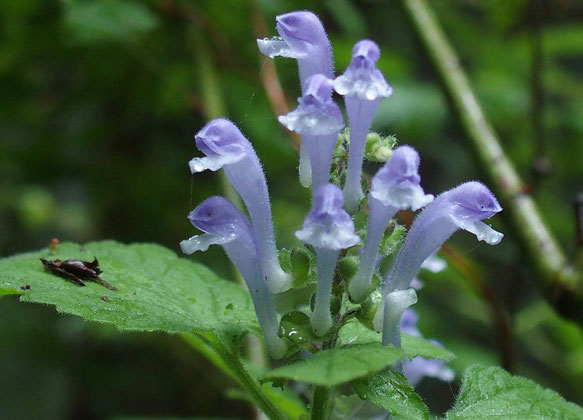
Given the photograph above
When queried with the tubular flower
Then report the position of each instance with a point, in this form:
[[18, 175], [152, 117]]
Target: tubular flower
[[225, 147], [224, 225], [462, 207], [319, 120], [302, 37], [394, 187], [362, 86], [328, 228]]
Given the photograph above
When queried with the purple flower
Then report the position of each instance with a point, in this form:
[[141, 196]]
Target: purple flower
[[224, 225], [394, 187], [362, 85], [328, 228], [318, 119], [225, 147], [462, 207], [418, 368], [302, 37]]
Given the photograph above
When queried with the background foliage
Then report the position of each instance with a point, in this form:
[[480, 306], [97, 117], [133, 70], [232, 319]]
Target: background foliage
[[99, 101]]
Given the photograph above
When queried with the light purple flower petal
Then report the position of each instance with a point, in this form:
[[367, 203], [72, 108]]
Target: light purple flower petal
[[394, 187], [418, 368], [461, 207], [328, 225], [318, 119], [328, 228], [362, 79], [223, 224], [302, 37], [225, 146], [362, 86]]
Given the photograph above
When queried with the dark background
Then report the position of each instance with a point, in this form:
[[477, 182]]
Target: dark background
[[99, 101]]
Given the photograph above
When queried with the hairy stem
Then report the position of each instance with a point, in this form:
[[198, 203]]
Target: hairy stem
[[560, 283]]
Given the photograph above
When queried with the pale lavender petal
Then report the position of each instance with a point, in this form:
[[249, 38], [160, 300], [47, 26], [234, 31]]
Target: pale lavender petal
[[362, 86], [220, 138], [328, 225], [319, 120], [328, 228], [223, 224], [460, 207], [418, 368], [394, 187], [362, 79]]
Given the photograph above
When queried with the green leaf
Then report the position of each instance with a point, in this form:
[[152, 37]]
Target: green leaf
[[417, 346], [338, 365], [157, 291], [355, 333], [491, 392], [391, 390], [102, 20]]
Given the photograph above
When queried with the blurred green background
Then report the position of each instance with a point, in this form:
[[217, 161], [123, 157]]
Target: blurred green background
[[99, 101]]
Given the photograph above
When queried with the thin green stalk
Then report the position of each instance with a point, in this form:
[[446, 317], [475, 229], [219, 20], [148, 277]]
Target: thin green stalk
[[321, 395], [560, 283], [231, 365], [320, 402]]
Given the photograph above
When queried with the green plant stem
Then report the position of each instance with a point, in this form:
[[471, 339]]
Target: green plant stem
[[320, 401], [237, 371], [321, 395], [560, 283]]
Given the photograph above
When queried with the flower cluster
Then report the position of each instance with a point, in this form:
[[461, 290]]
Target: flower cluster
[[328, 230]]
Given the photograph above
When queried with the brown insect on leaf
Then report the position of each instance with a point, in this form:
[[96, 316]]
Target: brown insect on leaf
[[25, 287], [76, 271]]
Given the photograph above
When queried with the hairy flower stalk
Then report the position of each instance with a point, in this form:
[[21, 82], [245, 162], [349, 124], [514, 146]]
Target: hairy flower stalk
[[225, 147], [362, 86], [462, 207], [328, 228], [319, 120], [224, 225], [394, 187], [302, 37]]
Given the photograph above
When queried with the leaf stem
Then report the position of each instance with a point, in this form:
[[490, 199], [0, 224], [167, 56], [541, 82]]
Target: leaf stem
[[233, 363], [320, 402]]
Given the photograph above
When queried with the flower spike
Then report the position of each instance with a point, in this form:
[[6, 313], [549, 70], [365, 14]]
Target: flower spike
[[319, 120], [328, 228], [462, 207], [224, 225], [302, 37], [225, 147], [362, 85], [394, 187]]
